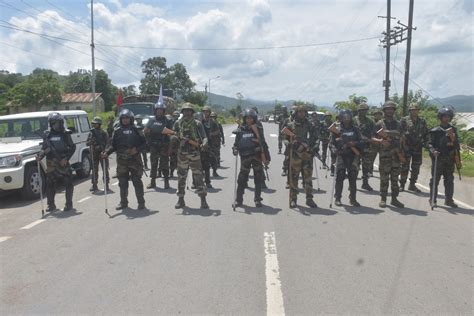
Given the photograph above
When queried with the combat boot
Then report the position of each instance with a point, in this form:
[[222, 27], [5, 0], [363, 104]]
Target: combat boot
[[383, 202], [402, 186], [180, 203], [204, 202], [395, 202], [238, 203], [450, 203], [311, 203], [293, 203], [167, 183], [338, 202], [258, 203], [152, 184], [214, 173], [121, 206], [94, 188], [412, 187], [51, 208], [332, 170], [67, 208], [284, 174], [209, 185], [354, 202], [141, 206], [366, 186]]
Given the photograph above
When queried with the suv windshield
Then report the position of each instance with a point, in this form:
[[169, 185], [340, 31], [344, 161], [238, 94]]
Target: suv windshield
[[26, 128], [140, 108]]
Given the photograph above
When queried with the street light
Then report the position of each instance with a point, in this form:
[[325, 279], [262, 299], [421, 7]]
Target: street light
[[209, 99]]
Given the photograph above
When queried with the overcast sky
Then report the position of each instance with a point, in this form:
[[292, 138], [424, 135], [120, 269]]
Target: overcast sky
[[442, 49]]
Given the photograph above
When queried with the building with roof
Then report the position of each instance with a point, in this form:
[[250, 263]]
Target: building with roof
[[465, 118]]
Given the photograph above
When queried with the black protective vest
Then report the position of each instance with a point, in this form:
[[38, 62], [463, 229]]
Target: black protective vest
[[246, 144], [156, 130], [126, 138]]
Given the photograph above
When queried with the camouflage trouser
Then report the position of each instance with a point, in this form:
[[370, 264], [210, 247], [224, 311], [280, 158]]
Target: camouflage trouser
[[130, 169], [415, 157], [280, 141], [247, 163], [173, 161], [95, 170], [159, 159], [325, 149], [297, 166], [191, 161], [206, 166], [218, 154], [285, 161], [346, 166], [389, 170], [55, 173], [445, 169], [368, 156], [213, 156]]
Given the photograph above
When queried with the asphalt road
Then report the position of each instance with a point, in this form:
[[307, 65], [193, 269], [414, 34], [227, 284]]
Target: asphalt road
[[271, 260]]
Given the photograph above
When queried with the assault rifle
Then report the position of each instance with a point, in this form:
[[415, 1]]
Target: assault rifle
[[333, 129], [457, 154], [386, 136]]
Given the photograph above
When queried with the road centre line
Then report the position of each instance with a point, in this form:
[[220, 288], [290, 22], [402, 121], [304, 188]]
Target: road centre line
[[115, 183], [5, 238], [84, 199], [272, 275], [33, 224], [427, 189]]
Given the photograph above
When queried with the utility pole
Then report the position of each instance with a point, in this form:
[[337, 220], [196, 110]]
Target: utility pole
[[387, 54], [94, 110], [407, 60]]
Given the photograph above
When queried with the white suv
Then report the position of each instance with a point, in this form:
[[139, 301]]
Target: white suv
[[20, 139]]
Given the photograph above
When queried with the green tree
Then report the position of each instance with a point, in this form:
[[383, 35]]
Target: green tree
[[351, 104], [196, 97], [37, 90], [129, 90], [155, 69]]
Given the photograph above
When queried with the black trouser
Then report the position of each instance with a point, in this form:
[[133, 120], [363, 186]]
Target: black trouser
[[346, 166], [247, 163]]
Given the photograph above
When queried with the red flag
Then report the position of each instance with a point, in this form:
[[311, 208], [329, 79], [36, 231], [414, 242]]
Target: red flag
[[119, 98]]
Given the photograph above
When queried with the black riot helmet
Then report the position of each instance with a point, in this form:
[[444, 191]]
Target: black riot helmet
[[54, 118], [445, 111], [347, 114], [250, 112], [199, 116], [126, 113]]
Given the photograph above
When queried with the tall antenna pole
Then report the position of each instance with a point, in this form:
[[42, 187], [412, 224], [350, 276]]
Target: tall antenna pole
[[407, 60], [94, 110], [387, 54]]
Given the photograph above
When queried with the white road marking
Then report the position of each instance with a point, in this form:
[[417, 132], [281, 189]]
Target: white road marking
[[272, 274], [4, 238], [273, 135], [232, 136], [427, 189], [115, 183], [33, 224], [84, 199]]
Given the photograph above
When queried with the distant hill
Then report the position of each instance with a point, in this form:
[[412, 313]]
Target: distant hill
[[461, 103], [229, 102]]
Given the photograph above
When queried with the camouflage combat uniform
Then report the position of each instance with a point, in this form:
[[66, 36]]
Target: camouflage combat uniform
[[210, 156], [141, 127], [389, 157], [366, 127], [415, 138], [159, 148], [302, 148], [98, 140]]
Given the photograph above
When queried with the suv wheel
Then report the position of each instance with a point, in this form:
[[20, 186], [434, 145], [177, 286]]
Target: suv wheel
[[31, 186], [86, 164]]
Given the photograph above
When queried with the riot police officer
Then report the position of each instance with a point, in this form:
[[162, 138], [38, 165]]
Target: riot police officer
[[128, 142], [366, 128], [347, 145], [159, 143], [444, 144], [98, 140], [249, 144], [58, 148]]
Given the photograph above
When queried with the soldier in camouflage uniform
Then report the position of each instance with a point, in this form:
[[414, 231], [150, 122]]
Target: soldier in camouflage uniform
[[378, 115], [366, 128], [415, 131], [58, 148], [324, 136], [212, 131], [347, 159], [281, 120], [141, 127], [249, 145], [285, 123], [388, 134], [192, 139], [98, 140], [303, 146], [128, 142], [159, 145], [444, 143], [218, 140], [174, 148]]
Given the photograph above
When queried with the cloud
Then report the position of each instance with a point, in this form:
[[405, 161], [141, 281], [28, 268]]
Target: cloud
[[442, 60]]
